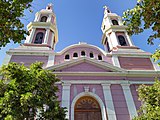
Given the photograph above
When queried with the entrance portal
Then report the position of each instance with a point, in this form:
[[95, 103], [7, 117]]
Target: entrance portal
[[87, 108]]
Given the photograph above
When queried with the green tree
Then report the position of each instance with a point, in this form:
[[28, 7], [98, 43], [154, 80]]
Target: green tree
[[145, 15], [24, 93], [11, 27], [150, 97]]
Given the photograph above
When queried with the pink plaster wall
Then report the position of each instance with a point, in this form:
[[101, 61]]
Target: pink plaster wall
[[29, 59], [119, 102], [141, 78], [85, 67], [135, 63], [52, 20], [134, 92], [60, 58], [37, 31]]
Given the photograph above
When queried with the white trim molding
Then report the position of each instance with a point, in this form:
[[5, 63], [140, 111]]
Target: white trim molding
[[102, 106], [129, 100], [66, 97], [115, 61], [46, 36], [109, 102], [31, 36], [50, 60]]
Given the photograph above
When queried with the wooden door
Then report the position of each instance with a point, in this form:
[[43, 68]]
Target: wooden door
[[87, 108]]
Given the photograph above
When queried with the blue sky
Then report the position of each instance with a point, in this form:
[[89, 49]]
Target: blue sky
[[80, 21]]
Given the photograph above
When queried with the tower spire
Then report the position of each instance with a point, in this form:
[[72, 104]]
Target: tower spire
[[106, 10], [115, 35], [49, 7]]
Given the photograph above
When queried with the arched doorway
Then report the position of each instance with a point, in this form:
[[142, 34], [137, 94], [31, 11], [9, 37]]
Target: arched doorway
[[87, 108]]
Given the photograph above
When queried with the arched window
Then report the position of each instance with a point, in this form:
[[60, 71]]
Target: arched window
[[87, 108], [67, 57], [114, 22], [99, 57], [83, 53], [39, 38], [122, 40], [91, 55], [75, 55], [43, 19]]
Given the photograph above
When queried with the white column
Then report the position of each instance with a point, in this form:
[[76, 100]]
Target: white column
[[31, 35], [129, 100], [50, 60], [115, 61], [109, 41], [109, 20], [129, 39], [114, 39], [66, 97], [52, 41], [120, 21], [46, 36], [109, 102], [37, 17], [49, 18]]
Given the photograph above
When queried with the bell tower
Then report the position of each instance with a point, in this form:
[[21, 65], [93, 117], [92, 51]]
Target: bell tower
[[43, 31], [40, 44], [115, 35]]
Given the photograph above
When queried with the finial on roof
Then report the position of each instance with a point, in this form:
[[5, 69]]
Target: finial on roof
[[49, 6], [106, 10]]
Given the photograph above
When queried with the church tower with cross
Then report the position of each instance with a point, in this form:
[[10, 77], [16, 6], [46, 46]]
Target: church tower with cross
[[96, 84], [43, 30], [41, 42]]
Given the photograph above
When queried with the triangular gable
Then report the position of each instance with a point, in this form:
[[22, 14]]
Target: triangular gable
[[85, 65]]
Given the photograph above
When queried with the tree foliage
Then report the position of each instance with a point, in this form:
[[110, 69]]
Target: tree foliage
[[11, 27], [150, 97], [29, 92], [145, 15]]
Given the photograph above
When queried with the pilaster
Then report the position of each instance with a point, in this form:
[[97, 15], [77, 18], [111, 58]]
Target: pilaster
[[129, 39], [52, 41], [114, 39], [49, 18], [37, 17], [66, 97], [109, 102], [129, 100], [46, 36], [31, 35]]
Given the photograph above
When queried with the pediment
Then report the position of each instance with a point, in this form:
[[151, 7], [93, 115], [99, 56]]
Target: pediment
[[85, 65]]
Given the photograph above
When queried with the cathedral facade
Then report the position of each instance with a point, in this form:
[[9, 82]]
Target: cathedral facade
[[96, 84]]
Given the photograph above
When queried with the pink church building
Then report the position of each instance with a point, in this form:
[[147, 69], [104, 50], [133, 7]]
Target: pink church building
[[96, 84]]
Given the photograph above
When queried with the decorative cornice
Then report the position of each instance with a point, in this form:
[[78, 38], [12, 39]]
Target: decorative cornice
[[104, 82], [112, 74]]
